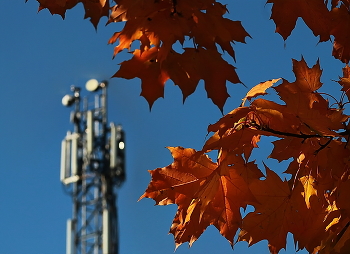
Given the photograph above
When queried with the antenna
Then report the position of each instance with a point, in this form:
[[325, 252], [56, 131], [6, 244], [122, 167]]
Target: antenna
[[117, 153], [89, 132], [92, 166]]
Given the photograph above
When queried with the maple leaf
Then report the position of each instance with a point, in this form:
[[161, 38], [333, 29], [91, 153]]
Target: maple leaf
[[314, 159], [281, 209], [185, 69], [309, 106], [259, 89], [339, 167], [314, 13], [229, 120], [160, 24], [206, 193], [192, 65], [182, 71], [269, 116], [151, 24], [245, 139], [211, 28], [214, 71], [345, 82], [304, 202], [165, 22], [286, 148], [308, 183], [266, 222], [319, 223], [94, 10], [340, 30], [145, 67]]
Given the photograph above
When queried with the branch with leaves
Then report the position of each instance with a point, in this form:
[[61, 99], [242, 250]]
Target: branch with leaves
[[310, 204], [313, 203]]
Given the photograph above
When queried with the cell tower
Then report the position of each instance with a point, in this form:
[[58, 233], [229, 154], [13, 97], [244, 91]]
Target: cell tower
[[92, 166]]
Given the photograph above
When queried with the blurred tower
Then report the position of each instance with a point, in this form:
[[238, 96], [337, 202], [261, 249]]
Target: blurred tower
[[92, 166]]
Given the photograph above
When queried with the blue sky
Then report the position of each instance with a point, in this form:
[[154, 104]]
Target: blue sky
[[41, 56]]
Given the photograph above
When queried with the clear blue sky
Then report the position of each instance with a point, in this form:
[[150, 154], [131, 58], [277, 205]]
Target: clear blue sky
[[41, 56]]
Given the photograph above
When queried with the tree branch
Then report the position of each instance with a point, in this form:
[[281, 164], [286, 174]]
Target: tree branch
[[296, 135]]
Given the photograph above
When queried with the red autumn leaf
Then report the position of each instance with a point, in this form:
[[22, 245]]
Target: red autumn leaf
[[145, 67], [152, 24], [314, 13], [185, 69], [345, 82], [165, 22], [340, 30], [158, 26], [161, 24], [210, 28], [94, 10], [192, 65], [288, 147], [215, 72]]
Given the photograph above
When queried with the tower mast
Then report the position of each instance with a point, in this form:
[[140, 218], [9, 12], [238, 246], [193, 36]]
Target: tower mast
[[92, 166]]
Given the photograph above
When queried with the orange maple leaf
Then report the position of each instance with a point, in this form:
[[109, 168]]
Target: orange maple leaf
[[309, 106], [308, 182], [259, 89], [286, 148], [245, 141], [266, 222], [280, 210], [268, 115], [229, 121], [206, 193]]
